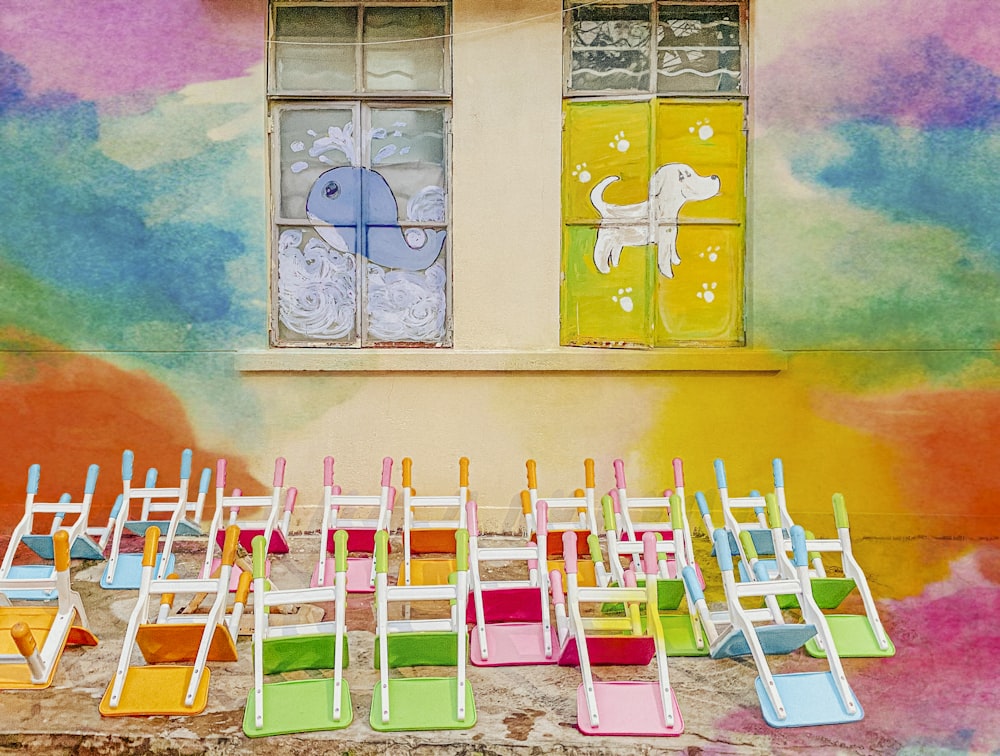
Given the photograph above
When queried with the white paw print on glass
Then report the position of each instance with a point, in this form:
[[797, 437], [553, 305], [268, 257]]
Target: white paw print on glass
[[581, 173], [619, 142], [702, 129], [712, 253], [624, 300], [707, 292]]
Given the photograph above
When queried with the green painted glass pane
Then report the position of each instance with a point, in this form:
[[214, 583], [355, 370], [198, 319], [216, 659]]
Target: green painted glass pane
[[613, 309]]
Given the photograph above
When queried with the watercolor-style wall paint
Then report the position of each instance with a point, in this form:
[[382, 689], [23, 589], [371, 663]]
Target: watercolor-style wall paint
[[884, 160], [68, 411], [133, 268]]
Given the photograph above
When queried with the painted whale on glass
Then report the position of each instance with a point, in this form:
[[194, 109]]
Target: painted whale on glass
[[344, 199]]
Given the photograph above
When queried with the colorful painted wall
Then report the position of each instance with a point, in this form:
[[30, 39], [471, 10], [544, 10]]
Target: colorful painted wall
[[134, 280]]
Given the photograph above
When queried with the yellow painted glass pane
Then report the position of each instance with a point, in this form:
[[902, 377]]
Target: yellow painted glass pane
[[708, 137], [603, 140], [704, 301]]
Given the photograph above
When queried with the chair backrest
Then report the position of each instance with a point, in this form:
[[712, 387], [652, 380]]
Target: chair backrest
[[743, 513], [456, 593], [58, 581], [577, 512], [764, 585], [429, 522], [671, 546], [434, 641], [154, 498], [255, 515], [164, 501], [80, 511], [615, 640], [661, 507], [359, 515], [532, 554]]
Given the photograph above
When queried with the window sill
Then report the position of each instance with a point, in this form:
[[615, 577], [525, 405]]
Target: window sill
[[570, 360]]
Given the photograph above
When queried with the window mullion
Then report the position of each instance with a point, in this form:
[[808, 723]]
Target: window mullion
[[359, 51], [654, 68]]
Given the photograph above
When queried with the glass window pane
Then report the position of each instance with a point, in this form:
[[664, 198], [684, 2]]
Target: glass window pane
[[608, 269], [416, 64], [314, 48], [610, 48], [602, 141], [706, 137], [406, 305], [310, 142], [316, 289], [704, 301], [698, 49], [406, 146], [407, 274], [612, 309]]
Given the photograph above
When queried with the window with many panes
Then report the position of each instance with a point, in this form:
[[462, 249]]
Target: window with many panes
[[654, 173], [358, 117]]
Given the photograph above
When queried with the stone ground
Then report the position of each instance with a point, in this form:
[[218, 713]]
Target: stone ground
[[521, 710]]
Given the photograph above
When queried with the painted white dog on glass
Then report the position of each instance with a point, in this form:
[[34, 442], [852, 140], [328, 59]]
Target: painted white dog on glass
[[671, 186]]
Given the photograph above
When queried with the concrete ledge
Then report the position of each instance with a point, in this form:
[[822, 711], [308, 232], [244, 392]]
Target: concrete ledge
[[696, 359]]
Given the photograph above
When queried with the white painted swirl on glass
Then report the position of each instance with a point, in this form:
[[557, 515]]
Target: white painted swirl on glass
[[316, 287], [407, 305]]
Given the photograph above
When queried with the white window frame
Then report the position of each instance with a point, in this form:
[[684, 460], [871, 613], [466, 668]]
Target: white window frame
[[651, 94], [361, 103]]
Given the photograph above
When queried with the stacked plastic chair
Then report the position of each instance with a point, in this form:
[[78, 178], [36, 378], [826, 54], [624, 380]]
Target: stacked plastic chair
[[787, 700], [429, 526], [164, 507], [313, 703], [27, 532], [630, 707], [576, 513], [175, 646], [254, 515], [511, 618], [682, 629], [422, 703], [361, 516], [754, 539], [33, 638], [854, 634]]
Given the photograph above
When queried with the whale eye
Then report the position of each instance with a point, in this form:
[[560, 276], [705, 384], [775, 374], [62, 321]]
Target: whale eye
[[331, 190]]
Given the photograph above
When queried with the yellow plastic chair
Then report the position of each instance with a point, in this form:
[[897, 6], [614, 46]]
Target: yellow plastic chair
[[176, 647], [32, 638], [429, 527]]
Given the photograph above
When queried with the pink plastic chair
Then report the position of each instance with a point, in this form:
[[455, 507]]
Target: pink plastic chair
[[629, 707], [354, 515], [512, 618]]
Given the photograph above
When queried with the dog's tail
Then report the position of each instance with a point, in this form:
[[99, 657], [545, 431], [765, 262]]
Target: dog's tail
[[597, 193]]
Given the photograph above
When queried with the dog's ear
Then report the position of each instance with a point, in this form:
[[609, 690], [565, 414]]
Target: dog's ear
[[656, 182], [663, 183]]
